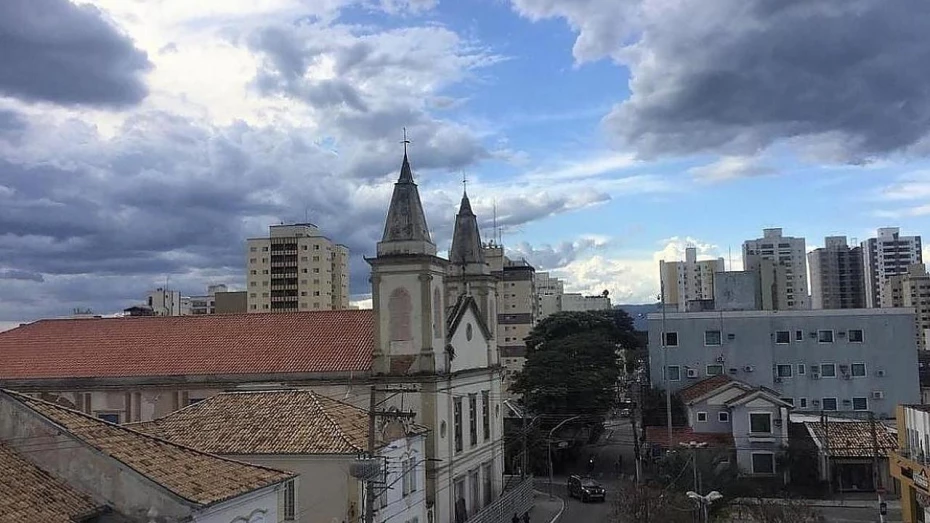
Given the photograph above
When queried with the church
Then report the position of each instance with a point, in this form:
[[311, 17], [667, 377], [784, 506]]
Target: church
[[427, 347]]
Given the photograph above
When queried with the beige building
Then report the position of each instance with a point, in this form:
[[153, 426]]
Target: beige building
[[912, 289], [785, 274], [689, 280], [884, 256], [837, 281], [578, 302], [218, 300], [296, 268], [517, 309], [549, 291]]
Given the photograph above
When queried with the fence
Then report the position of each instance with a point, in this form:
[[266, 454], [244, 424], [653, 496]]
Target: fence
[[515, 500]]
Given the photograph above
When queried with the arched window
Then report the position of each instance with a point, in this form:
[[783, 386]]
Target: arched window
[[437, 313], [399, 309]]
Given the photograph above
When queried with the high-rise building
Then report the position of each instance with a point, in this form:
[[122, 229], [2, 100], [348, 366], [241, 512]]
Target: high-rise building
[[549, 292], [884, 256], [785, 276], [912, 289], [836, 275], [516, 312], [164, 302], [296, 268], [689, 280]]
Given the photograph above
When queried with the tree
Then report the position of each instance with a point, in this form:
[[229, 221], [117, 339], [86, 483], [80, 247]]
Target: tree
[[653, 406], [638, 503], [572, 364], [784, 510]]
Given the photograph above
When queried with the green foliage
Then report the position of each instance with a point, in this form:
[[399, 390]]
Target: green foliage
[[572, 363], [653, 406], [714, 470], [650, 504]]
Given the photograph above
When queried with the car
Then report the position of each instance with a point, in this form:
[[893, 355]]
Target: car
[[586, 489], [625, 413]]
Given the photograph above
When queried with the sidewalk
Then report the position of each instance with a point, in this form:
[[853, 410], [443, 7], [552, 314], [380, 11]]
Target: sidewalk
[[546, 510]]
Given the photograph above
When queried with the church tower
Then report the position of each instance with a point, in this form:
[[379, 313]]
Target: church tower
[[469, 273], [407, 287]]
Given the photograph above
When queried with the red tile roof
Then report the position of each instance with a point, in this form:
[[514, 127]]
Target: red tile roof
[[295, 342], [659, 436], [703, 387], [852, 439]]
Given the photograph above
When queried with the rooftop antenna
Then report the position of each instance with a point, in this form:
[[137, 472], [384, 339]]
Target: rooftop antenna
[[730, 256], [494, 222], [306, 214]]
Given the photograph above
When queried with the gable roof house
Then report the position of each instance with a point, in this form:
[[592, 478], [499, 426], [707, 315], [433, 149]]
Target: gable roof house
[[431, 331], [843, 450], [313, 435], [63, 465]]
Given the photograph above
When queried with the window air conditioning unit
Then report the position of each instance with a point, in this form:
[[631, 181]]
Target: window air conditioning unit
[[878, 394], [815, 402], [815, 376], [749, 368], [692, 373], [720, 359], [733, 370], [880, 373], [731, 336], [813, 334], [777, 380], [846, 402]]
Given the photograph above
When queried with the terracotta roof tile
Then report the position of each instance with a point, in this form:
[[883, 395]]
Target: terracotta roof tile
[[265, 422], [28, 494], [298, 342], [196, 476], [659, 436], [852, 439], [703, 387]]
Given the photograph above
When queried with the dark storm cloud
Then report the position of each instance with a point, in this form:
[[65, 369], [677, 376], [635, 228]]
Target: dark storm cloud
[[738, 75], [547, 257], [59, 52], [15, 274]]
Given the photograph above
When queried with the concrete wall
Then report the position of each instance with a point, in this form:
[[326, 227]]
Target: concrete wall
[[400, 507], [749, 352], [747, 443], [260, 506]]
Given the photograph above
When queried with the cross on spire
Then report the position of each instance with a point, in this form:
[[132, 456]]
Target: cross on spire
[[405, 141], [464, 183]]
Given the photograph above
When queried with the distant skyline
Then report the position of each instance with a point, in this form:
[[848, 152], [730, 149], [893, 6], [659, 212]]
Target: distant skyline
[[141, 140]]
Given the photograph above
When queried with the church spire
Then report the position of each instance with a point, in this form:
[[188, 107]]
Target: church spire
[[405, 229], [466, 239]]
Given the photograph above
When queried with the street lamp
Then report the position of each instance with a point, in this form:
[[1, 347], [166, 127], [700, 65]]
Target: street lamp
[[704, 501], [549, 448]]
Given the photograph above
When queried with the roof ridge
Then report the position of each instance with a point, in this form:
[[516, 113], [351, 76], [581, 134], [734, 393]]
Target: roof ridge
[[342, 434], [26, 400]]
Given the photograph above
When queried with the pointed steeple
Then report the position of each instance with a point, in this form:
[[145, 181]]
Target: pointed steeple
[[466, 239], [405, 229]]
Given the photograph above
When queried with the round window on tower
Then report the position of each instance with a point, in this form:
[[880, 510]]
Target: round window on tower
[[469, 331]]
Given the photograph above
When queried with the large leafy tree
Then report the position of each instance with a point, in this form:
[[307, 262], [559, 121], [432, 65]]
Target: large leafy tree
[[572, 363]]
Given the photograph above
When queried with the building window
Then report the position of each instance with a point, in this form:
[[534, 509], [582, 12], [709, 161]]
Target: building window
[[486, 413], [252, 260], [828, 403], [671, 339], [783, 371], [409, 469], [486, 476], [252, 249], [802, 369], [714, 370], [789, 401], [782, 337], [475, 491], [855, 336], [673, 373], [457, 423], [702, 416], [473, 419], [110, 417], [858, 370], [711, 338], [264, 249], [763, 463], [723, 417], [399, 311], [290, 501], [828, 370], [802, 402], [760, 422], [825, 336], [798, 335], [860, 403]]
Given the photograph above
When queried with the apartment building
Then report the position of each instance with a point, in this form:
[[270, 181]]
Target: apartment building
[[579, 302], [164, 302], [689, 280], [910, 463], [549, 291], [296, 268], [912, 290], [836, 278], [781, 262], [218, 300], [517, 308], [884, 256], [832, 360]]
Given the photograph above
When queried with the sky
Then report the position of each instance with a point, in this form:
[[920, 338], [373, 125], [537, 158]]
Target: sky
[[143, 141]]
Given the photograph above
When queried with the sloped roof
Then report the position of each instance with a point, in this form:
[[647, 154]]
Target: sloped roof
[[851, 439], [695, 391], [659, 436], [766, 393], [406, 220], [464, 303], [28, 494], [198, 477], [265, 422], [466, 238], [221, 344]]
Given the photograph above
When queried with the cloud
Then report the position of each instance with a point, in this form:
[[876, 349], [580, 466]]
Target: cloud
[[15, 274], [548, 257], [730, 168], [739, 76], [59, 52]]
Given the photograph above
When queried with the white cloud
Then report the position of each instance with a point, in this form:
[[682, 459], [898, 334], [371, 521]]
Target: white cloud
[[730, 168]]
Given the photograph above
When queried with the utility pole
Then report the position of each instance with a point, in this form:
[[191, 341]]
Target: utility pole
[[636, 463], [876, 474], [668, 382], [825, 421], [372, 478], [524, 461]]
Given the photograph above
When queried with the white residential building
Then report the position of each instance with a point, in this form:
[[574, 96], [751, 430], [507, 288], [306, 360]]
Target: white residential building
[[781, 262], [884, 256], [689, 280], [549, 291], [574, 301]]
